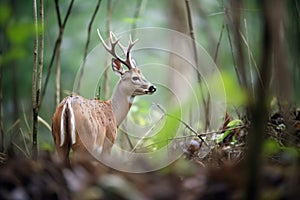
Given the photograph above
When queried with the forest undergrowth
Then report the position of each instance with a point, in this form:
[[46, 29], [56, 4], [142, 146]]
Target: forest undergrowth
[[217, 172]]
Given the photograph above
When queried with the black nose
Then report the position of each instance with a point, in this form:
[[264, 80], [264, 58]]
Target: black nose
[[152, 88]]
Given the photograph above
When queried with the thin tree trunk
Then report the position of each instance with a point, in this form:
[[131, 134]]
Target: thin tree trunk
[[259, 109], [37, 73], [34, 95], [41, 51]]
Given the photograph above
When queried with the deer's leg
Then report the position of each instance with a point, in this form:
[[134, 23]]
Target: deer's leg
[[64, 150], [63, 153]]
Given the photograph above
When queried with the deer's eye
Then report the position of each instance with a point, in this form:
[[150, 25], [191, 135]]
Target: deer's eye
[[135, 78]]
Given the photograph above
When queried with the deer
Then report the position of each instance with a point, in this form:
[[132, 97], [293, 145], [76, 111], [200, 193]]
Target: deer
[[89, 125]]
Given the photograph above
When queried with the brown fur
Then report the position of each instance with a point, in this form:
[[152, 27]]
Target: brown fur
[[94, 122]]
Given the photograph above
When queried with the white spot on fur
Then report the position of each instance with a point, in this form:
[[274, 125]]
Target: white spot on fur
[[62, 126]]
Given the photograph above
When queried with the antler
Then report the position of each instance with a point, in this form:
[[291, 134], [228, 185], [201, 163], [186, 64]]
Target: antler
[[112, 49]]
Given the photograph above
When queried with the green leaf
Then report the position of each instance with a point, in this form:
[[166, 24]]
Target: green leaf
[[232, 124], [168, 132], [235, 95]]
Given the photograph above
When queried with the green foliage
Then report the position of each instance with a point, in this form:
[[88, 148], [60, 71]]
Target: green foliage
[[271, 147], [231, 125], [5, 13], [165, 135], [170, 129], [17, 49], [235, 95], [139, 113], [19, 33]]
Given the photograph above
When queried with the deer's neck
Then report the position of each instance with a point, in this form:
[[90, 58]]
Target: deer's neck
[[121, 103]]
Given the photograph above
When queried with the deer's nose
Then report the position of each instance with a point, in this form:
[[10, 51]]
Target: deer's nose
[[152, 88]]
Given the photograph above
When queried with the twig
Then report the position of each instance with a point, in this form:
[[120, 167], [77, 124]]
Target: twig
[[25, 154], [188, 136], [45, 123], [49, 71], [24, 141], [236, 14], [58, 40], [219, 42], [147, 133], [245, 40], [13, 126], [58, 14], [221, 35], [251, 58], [87, 45], [223, 130], [184, 123], [192, 35], [25, 119], [230, 44], [68, 14]]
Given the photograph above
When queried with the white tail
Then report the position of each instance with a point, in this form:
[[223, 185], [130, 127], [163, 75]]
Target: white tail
[[82, 124]]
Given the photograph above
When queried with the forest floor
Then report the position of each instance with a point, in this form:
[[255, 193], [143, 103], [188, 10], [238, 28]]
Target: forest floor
[[220, 174]]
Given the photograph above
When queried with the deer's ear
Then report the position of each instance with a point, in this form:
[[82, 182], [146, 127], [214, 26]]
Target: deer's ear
[[117, 67]]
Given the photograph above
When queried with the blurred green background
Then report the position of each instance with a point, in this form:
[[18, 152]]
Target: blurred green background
[[210, 23]]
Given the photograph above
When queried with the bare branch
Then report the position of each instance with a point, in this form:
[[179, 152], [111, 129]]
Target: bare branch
[[87, 44], [58, 40], [184, 123], [219, 42], [192, 35], [58, 13]]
